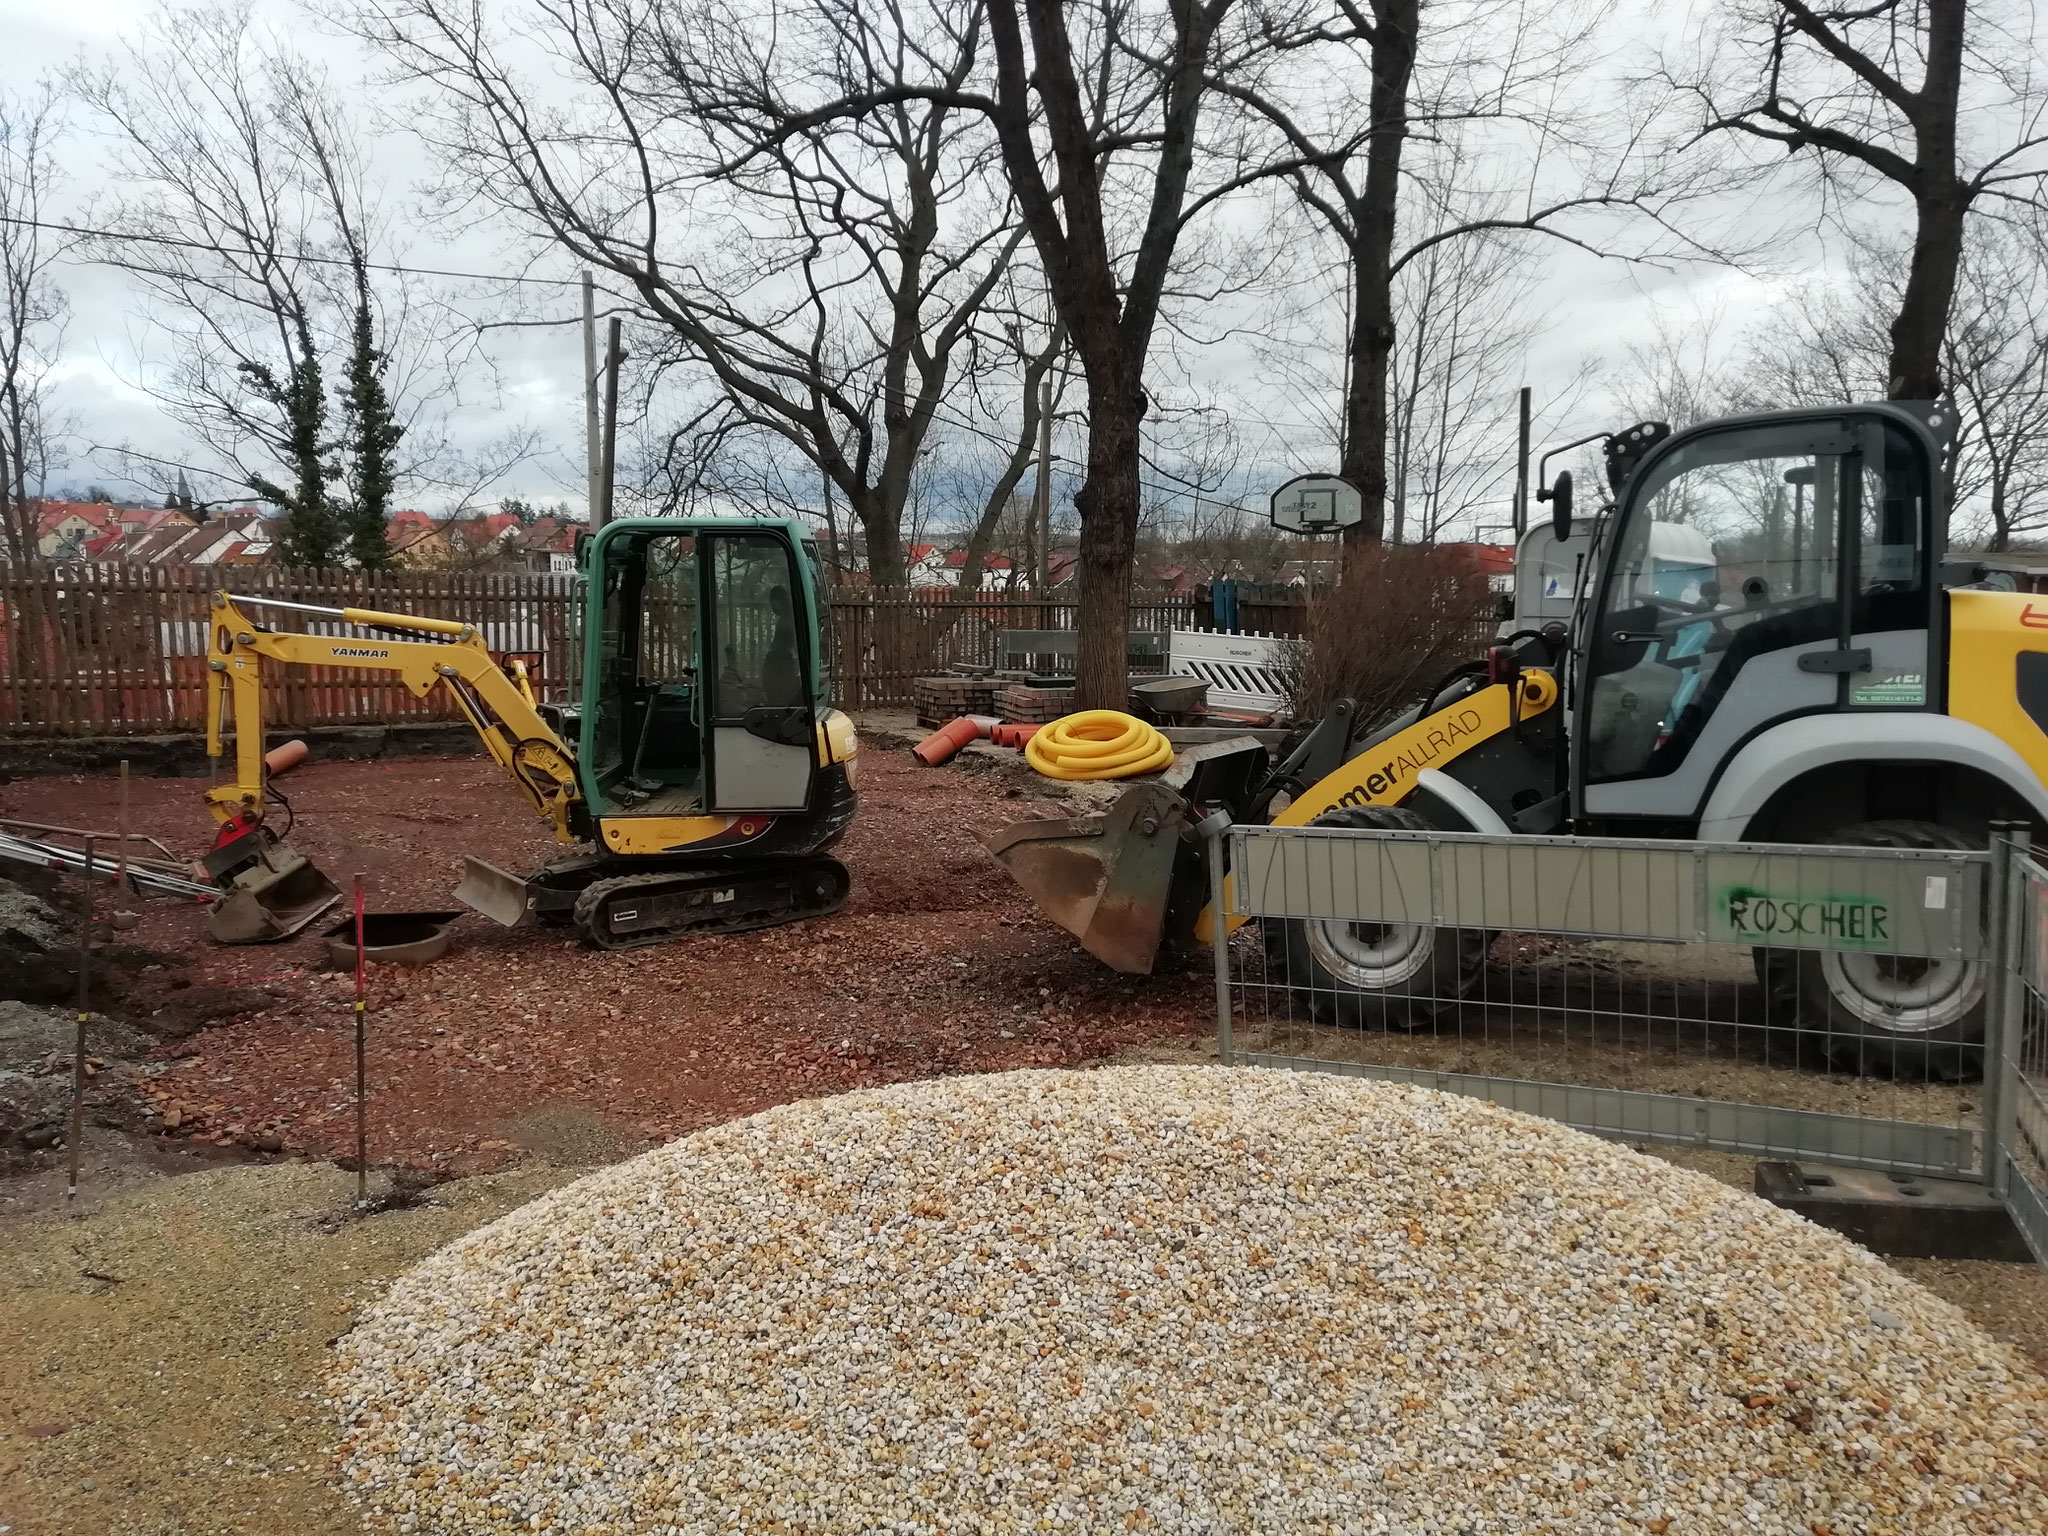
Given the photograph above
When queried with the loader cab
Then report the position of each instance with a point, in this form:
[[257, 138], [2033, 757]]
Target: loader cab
[[1755, 570], [704, 676]]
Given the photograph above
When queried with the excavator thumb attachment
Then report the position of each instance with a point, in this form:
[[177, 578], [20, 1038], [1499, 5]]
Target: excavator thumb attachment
[[271, 896], [1106, 879]]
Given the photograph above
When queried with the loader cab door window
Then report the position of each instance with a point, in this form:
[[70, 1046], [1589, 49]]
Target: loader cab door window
[[763, 726], [1891, 536], [1729, 559]]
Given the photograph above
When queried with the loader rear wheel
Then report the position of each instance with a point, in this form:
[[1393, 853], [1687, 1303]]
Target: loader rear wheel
[[1897, 1016], [1375, 975]]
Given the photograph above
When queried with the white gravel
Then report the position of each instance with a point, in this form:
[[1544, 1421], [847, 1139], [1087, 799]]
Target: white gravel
[[1173, 1299]]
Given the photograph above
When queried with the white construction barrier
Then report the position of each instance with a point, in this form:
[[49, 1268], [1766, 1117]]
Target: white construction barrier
[[1244, 672]]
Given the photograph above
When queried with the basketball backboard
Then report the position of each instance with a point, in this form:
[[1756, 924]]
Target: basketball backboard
[[1317, 504]]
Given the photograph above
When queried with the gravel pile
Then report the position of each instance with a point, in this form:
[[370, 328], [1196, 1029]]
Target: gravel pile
[[1173, 1299]]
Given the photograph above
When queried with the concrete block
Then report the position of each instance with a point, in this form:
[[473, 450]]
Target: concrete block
[[1895, 1215]]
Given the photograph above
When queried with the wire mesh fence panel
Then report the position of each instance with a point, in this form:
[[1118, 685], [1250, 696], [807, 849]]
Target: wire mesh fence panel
[[1814, 1003], [2022, 1106]]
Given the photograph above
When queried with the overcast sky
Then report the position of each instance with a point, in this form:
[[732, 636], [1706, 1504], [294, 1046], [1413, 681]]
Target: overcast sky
[[1595, 309]]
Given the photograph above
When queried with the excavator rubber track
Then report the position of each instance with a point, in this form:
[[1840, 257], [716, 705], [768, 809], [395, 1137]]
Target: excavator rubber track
[[627, 911]]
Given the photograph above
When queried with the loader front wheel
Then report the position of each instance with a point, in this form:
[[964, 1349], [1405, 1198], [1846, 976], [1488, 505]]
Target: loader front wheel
[[1359, 975], [1899, 1016]]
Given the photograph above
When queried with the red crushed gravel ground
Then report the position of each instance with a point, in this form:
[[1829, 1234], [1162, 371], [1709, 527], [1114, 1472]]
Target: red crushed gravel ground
[[938, 964]]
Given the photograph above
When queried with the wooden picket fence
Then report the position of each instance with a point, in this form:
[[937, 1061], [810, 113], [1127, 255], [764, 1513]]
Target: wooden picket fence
[[882, 641], [121, 650]]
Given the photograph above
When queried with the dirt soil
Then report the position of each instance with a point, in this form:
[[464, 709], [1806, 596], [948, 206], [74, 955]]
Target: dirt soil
[[164, 1347], [163, 1339], [937, 964]]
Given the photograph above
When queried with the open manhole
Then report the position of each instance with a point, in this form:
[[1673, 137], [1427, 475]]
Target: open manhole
[[403, 938]]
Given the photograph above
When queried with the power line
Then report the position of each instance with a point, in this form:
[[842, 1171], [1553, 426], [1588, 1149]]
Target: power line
[[320, 261], [180, 243], [957, 421]]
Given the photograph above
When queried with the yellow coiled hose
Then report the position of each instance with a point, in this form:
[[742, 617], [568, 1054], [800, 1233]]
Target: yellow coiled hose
[[1097, 744]]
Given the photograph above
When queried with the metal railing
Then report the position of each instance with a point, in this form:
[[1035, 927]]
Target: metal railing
[[1865, 1007]]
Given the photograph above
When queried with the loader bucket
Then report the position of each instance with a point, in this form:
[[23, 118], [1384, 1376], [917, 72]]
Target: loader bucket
[[1105, 879], [272, 897]]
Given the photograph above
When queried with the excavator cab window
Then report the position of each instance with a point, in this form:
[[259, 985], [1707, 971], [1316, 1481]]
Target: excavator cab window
[[646, 736], [821, 683], [667, 756], [763, 724]]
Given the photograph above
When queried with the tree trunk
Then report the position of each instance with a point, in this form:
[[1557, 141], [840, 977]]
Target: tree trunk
[[888, 565], [2001, 517], [1365, 409], [1108, 504], [1941, 201], [1922, 320], [1372, 270], [13, 511], [21, 516]]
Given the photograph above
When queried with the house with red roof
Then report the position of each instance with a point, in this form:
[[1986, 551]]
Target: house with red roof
[[1496, 562], [420, 542], [996, 570], [547, 544], [75, 530], [415, 539]]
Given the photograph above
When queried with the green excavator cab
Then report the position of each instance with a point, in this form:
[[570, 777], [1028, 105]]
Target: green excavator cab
[[704, 672]]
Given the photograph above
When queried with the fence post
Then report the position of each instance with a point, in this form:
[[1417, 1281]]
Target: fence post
[[2010, 848], [1213, 829]]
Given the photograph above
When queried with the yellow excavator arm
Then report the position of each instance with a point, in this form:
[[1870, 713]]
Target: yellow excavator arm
[[501, 708]]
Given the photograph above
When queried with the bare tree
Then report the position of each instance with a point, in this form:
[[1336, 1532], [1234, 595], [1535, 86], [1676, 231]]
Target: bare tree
[[1943, 103], [1344, 91], [775, 90], [32, 307], [1003, 522], [242, 204], [1996, 358], [1467, 312], [1072, 96], [1681, 369], [1829, 341], [802, 280]]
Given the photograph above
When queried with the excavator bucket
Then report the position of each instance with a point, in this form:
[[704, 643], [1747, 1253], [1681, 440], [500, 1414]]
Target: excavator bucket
[[271, 897], [1105, 879]]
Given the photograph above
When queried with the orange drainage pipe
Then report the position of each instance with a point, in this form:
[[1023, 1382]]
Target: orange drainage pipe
[[284, 757], [945, 741], [1011, 734]]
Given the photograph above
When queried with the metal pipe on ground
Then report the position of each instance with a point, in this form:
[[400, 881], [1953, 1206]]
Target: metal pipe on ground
[[75, 1133]]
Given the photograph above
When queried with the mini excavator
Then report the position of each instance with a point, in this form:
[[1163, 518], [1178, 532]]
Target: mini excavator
[[703, 766]]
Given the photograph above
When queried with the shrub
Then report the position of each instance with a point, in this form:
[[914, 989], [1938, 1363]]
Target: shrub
[[1398, 621]]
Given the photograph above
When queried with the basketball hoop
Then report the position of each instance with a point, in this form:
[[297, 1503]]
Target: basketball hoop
[[1315, 504]]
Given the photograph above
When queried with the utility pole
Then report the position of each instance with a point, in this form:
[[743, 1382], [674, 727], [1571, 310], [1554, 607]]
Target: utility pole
[[593, 452], [1522, 465], [613, 356], [1041, 495]]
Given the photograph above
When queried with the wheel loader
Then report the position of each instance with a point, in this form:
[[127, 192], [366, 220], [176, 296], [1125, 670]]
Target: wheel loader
[[1758, 640], [703, 770]]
